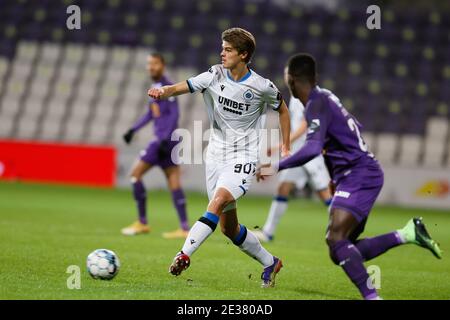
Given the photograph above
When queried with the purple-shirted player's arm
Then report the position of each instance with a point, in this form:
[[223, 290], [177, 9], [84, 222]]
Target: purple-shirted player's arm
[[317, 117], [169, 91], [142, 121], [139, 124]]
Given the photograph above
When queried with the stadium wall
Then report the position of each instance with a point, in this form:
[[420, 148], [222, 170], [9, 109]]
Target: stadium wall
[[58, 163]]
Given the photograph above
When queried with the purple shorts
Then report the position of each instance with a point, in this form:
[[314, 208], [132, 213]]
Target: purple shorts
[[357, 191], [158, 153]]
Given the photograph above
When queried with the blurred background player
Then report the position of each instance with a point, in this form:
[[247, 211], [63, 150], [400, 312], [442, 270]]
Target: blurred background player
[[357, 178], [314, 172], [164, 114], [236, 98]]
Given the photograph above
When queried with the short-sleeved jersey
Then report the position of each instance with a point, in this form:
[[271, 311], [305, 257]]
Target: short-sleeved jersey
[[330, 124], [236, 111], [296, 110]]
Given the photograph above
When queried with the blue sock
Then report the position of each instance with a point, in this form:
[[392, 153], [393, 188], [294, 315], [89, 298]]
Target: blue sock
[[281, 198], [210, 219], [239, 239]]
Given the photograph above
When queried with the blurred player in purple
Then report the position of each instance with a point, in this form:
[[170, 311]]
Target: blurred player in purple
[[357, 178], [164, 114]]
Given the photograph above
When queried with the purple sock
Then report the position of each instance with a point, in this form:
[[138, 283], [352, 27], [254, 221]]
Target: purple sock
[[373, 247], [140, 195], [179, 203], [346, 255]]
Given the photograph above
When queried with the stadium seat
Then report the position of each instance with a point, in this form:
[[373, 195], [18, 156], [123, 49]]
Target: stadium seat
[[387, 145], [435, 141], [410, 146]]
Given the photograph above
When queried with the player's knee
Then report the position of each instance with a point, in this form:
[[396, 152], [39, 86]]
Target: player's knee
[[215, 204], [333, 237]]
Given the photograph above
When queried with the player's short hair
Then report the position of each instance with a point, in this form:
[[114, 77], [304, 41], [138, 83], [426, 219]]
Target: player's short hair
[[302, 66], [158, 56], [241, 40]]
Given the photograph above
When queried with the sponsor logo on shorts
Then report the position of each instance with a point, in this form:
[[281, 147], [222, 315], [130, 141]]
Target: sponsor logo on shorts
[[342, 194]]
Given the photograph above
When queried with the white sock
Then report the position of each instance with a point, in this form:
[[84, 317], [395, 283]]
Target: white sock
[[199, 232], [254, 249], [277, 209]]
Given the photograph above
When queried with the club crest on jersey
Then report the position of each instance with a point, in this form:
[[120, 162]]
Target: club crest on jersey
[[314, 126], [248, 95]]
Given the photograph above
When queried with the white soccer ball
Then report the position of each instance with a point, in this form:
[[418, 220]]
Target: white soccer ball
[[103, 264]]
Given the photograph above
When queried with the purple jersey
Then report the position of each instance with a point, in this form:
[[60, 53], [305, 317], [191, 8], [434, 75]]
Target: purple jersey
[[335, 133], [167, 122]]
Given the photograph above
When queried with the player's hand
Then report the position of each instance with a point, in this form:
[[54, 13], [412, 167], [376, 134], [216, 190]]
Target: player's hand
[[157, 93], [263, 171], [128, 136], [285, 152]]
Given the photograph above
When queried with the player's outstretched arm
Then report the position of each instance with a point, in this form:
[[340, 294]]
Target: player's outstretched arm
[[311, 149], [285, 125], [169, 91]]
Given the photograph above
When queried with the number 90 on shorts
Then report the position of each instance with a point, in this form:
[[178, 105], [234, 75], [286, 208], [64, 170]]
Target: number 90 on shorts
[[236, 177]]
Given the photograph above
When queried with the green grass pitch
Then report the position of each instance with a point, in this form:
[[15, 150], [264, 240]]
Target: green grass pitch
[[46, 228]]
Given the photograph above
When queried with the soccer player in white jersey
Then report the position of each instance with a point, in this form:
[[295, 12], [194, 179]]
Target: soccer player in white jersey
[[314, 172], [236, 99]]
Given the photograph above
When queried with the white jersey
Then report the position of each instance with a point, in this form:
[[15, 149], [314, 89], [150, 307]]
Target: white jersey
[[236, 111], [296, 113]]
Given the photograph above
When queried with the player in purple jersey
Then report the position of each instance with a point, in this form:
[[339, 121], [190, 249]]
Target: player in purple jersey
[[164, 114], [357, 178]]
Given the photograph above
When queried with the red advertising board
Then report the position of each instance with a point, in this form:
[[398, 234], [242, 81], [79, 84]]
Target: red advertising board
[[57, 162]]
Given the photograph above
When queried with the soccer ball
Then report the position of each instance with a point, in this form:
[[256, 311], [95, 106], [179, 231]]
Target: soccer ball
[[103, 264]]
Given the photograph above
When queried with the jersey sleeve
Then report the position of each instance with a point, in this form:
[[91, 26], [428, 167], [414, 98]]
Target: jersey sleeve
[[201, 81], [272, 96]]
